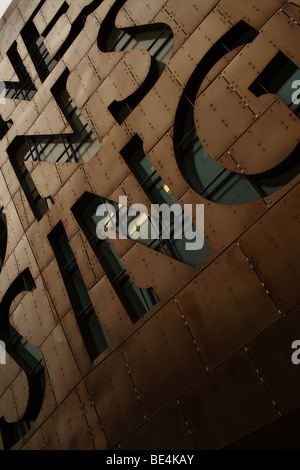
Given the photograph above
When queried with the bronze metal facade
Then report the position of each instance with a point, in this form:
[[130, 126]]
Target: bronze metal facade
[[208, 363]]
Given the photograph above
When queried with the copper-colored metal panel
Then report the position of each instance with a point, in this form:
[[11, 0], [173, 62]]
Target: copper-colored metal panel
[[140, 12], [183, 64], [103, 63], [83, 42], [9, 175], [36, 442], [20, 390], [91, 416], [33, 317], [148, 268], [280, 33], [67, 427], [167, 431], [110, 311], [223, 224], [83, 82], [115, 398], [271, 353], [189, 15], [73, 335], [179, 36], [73, 189], [254, 12], [23, 209], [8, 373], [56, 288], [213, 118], [25, 257], [155, 114], [62, 368], [49, 403], [227, 405], [84, 262], [37, 237], [9, 273], [269, 141], [8, 408], [50, 121], [134, 192], [226, 306], [272, 246], [4, 193], [163, 159], [163, 349], [46, 14], [292, 10], [46, 178], [108, 167]]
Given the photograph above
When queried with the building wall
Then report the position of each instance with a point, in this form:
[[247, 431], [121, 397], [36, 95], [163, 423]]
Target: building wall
[[210, 362]]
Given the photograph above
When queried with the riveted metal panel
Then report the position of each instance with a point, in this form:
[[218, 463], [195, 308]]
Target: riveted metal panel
[[189, 15], [67, 427], [134, 192], [148, 268], [62, 368], [37, 235], [292, 10], [183, 64], [275, 237], [83, 43], [23, 209], [50, 121], [8, 408], [271, 353], [20, 390], [167, 430], [163, 159], [14, 228], [223, 224], [8, 372], [269, 141], [254, 12], [163, 351], [46, 178], [212, 117], [110, 311], [179, 36], [227, 405], [279, 34], [49, 403], [115, 399], [72, 332], [108, 167], [25, 257], [36, 442], [154, 116], [83, 82], [46, 14], [56, 288], [84, 262], [226, 306], [33, 317], [91, 416], [141, 12]]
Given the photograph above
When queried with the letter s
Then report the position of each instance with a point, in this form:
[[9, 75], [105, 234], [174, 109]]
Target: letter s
[[296, 354], [27, 357]]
